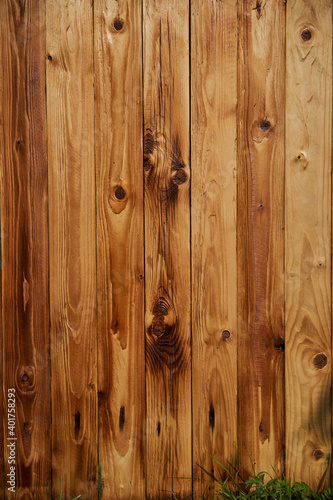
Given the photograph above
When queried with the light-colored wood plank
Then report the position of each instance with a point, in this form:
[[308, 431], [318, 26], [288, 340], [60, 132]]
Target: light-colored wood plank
[[25, 243], [70, 118], [120, 244], [167, 247], [260, 237], [308, 237], [214, 265]]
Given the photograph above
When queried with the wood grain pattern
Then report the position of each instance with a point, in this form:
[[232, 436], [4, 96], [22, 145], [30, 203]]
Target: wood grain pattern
[[260, 234], [308, 237], [214, 265], [120, 243], [167, 247], [70, 118], [25, 242]]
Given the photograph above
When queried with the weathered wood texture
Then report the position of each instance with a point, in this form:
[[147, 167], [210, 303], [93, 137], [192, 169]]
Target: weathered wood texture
[[167, 247], [214, 265], [70, 120], [261, 66], [24, 243], [308, 237], [166, 217], [120, 244]]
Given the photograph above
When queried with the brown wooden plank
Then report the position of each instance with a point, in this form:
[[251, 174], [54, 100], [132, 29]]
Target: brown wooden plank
[[308, 238], [70, 118], [25, 243], [261, 66], [214, 265], [167, 247], [120, 265]]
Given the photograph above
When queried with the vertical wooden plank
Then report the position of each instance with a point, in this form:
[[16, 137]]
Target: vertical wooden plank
[[70, 117], [25, 244], [308, 237], [167, 247], [120, 266], [214, 265], [261, 66]]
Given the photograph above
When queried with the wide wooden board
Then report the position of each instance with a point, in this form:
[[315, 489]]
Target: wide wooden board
[[308, 238], [214, 265], [24, 241], [167, 247], [120, 245], [72, 236], [260, 235]]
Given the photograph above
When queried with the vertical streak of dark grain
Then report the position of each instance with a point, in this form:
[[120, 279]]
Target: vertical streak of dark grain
[[24, 241], [261, 66]]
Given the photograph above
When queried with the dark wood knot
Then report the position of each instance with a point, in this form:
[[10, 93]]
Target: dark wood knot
[[320, 361], [225, 334], [179, 177], [118, 24], [318, 454], [120, 193], [306, 35], [265, 125]]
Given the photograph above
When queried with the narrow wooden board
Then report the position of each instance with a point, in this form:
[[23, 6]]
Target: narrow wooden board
[[261, 66], [308, 237], [120, 245], [167, 247], [24, 242], [70, 118], [214, 265]]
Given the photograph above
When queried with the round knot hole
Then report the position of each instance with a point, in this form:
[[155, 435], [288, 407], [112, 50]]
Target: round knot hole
[[120, 193], [25, 378], [265, 125], [320, 361], [225, 334], [49, 57], [118, 24], [306, 35]]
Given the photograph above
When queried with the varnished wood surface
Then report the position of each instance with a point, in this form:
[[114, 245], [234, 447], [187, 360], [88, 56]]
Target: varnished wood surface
[[166, 240]]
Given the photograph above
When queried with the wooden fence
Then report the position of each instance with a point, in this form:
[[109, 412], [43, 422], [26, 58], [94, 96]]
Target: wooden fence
[[166, 244]]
